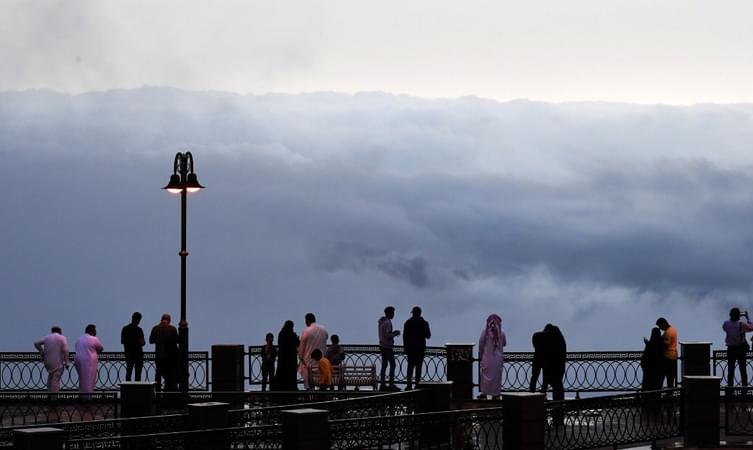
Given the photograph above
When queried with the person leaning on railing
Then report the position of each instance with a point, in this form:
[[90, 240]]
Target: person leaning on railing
[[737, 345]]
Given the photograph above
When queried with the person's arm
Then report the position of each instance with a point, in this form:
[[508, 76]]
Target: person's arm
[[428, 330], [141, 338], [39, 345], [123, 336], [502, 338], [747, 325], [66, 352], [152, 337]]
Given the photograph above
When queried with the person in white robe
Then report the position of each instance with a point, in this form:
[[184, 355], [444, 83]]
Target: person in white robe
[[54, 350], [313, 337], [490, 346], [88, 346]]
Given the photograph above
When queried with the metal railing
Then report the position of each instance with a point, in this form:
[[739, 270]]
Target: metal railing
[[738, 411], [434, 367], [25, 371], [615, 420]]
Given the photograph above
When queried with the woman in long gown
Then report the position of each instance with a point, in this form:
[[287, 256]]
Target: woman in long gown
[[651, 361], [287, 358], [491, 356]]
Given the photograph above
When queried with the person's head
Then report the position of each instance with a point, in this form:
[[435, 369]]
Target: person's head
[[288, 325], [316, 355], [655, 333], [165, 318], [734, 313], [662, 323], [335, 339], [136, 318], [56, 329], [389, 312], [269, 338], [416, 311], [91, 329], [310, 318]]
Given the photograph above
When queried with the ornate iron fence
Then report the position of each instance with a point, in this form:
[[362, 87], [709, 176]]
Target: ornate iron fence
[[393, 404], [719, 366], [585, 372], [25, 371], [614, 420], [434, 368], [462, 429], [738, 411]]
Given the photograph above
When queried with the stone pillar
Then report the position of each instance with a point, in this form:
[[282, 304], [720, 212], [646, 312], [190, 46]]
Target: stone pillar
[[45, 438], [460, 369], [228, 368], [137, 398], [434, 397], [305, 429], [523, 427], [701, 411], [208, 416], [696, 358]]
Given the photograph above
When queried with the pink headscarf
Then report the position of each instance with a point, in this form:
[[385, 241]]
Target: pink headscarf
[[493, 326]]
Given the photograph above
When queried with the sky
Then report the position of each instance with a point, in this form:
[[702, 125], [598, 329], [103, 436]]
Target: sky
[[561, 162]]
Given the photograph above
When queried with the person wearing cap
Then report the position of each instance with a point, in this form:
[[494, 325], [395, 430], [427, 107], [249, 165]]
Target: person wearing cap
[[165, 339], [54, 350], [415, 333]]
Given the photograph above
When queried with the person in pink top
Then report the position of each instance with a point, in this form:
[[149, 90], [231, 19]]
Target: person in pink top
[[737, 346], [490, 346], [88, 346], [54, 350]]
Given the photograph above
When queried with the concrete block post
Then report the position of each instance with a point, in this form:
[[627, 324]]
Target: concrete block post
[[137, 398], [524, 424], [696, 358], [460, 369], [435, 396], [701, 411], [228, 368], [39, 439], [208, 416], [305, 429]]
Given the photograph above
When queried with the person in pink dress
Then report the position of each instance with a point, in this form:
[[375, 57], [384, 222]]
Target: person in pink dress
[[88, 347], [490, 346]]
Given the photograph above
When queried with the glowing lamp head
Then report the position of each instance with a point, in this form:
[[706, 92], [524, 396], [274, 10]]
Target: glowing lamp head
[[192, 183], [174, 186]]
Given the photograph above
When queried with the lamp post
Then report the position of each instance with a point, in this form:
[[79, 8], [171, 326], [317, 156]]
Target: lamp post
[[182, 181]]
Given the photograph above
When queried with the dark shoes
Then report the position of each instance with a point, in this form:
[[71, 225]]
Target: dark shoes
[[390, 388]]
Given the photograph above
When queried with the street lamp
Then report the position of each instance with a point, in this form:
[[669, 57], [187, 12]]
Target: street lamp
[[182, 181]]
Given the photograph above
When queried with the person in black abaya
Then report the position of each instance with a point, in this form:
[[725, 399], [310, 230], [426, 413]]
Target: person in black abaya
[[555, 355], [286, 378], [651, 361]]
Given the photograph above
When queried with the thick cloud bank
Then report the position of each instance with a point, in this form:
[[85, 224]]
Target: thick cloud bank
[[598, 217]]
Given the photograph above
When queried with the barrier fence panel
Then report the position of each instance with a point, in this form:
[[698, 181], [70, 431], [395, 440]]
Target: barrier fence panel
[[719, 367], [738, 411], [25, 371], [614, 420]]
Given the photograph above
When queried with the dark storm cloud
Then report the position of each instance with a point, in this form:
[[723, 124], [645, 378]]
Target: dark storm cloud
[[346, 203]]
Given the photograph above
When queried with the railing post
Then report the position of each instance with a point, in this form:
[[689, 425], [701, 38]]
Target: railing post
[[701, 411], [305, 429], [523, 427], [435, 396], [696, 358], [228, 369], [460, 369], [137, 398], [208, 416], [45, 438]]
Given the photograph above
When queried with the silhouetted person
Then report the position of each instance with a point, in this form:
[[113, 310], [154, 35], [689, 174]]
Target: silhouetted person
[[737, 345], [132, 339], [386, 348], [325, 369], [555, 356], [538, 360], [335, 352], [287, 358], [313, 337], [491, 355], [652, 361], [415, 333], [670, 351], [54, 351], [268, 357], [165, 339], [88, 347]]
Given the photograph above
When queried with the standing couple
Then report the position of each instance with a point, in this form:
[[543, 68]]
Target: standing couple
[[659, 359]]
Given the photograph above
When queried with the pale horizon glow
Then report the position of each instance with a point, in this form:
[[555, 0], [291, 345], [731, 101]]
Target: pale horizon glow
[[673, 52]]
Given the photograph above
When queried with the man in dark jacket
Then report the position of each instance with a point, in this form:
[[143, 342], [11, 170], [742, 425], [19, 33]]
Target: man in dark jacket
[[165, 339], [132, 338], [555, 357], [415, 333]]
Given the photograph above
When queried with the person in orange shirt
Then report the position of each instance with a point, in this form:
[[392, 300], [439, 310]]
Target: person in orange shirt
[[325, 369], [670, 350]]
